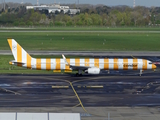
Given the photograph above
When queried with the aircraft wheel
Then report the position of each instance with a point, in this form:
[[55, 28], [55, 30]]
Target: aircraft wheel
[[78, 75]]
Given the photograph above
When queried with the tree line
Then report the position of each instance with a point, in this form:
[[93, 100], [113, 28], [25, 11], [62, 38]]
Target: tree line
[[89, 16]]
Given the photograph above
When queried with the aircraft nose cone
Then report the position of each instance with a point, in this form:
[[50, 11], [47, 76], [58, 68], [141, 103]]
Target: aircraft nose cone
[[154, 66]]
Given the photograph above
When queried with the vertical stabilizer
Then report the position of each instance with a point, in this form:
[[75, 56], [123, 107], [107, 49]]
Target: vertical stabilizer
[[20, 55]]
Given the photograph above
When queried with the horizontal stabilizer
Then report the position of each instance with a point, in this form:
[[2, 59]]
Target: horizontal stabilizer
[[13, 62]]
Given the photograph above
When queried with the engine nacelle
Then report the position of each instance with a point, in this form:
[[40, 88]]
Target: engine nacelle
[[93, 71]]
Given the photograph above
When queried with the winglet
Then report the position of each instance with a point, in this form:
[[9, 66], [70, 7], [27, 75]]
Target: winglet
[[65, 60], [133, 57]]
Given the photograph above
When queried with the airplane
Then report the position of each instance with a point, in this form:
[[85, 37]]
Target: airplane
[[87, 65]]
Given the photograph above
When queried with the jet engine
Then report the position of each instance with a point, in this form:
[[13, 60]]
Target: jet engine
[[93, 71]]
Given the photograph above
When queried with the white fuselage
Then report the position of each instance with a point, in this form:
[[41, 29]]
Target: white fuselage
[[105, 64]]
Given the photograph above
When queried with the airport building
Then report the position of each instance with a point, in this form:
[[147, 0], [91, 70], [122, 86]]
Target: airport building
[[39, 116], [53, 8]]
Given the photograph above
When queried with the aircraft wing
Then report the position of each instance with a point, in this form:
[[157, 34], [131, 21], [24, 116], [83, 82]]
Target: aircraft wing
[[79, 67], [75, 67]]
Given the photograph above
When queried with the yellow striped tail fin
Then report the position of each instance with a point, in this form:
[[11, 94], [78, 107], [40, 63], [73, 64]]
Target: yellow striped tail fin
[[20, 55]]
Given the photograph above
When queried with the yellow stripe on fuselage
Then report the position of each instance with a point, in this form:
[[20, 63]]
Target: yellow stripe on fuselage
[[125, 64], [58, 66], [77, 62], [115, 64], [48, 64], [106, 64], [135, 64], [38, 64]]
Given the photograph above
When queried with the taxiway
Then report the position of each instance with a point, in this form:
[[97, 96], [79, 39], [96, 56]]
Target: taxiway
[[57, 90]]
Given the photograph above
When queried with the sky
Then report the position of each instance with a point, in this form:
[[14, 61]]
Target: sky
[[147, 3]]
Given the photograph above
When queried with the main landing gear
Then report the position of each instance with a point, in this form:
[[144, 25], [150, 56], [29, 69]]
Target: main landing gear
[[141, 72], [79, 73]]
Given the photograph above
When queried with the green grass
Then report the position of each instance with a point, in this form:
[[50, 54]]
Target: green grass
[[83, 41]]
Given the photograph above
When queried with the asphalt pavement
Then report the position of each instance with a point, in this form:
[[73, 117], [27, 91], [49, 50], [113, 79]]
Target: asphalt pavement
[[115, 89], [91, 53]]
